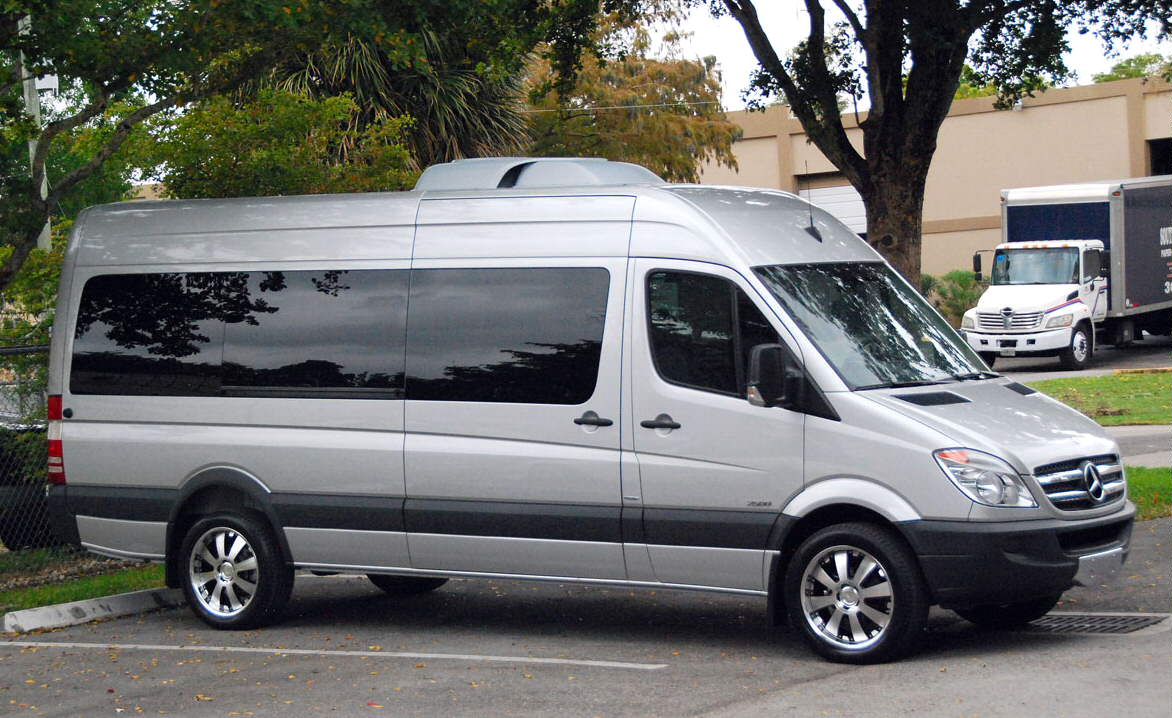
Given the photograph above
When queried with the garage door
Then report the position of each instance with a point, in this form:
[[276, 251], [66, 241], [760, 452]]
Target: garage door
[[843, 202]]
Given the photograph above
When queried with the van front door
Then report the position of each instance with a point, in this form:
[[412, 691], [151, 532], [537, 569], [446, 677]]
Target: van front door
[[714, 470], [512, 416]]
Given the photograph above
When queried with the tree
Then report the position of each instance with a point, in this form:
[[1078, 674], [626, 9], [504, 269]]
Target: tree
[[176, 53], [279, 143], [664, 114], [1015, 45], [463, 89], [1145, 65]]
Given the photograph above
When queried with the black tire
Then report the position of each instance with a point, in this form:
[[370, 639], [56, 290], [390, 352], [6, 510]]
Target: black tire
[[989, 358], [405, 585], [1008, 615], [268, 573], [1077, 354], [904, 610]]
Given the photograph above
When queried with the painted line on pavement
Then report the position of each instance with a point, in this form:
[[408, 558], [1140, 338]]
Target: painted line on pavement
[[311, 652]]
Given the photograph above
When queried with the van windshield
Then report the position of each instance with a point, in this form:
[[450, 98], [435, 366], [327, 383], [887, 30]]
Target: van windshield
[[874, 329], [1051, 265]]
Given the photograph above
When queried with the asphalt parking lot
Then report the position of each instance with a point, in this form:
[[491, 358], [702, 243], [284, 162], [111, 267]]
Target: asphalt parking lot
[[1150, 353], [477, 648]]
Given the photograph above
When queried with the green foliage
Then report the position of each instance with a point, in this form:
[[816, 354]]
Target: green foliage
[[1116, 399], [955, 293], [77, 589], [663, 114], [972, 86], [279, 143], [1144, 65]]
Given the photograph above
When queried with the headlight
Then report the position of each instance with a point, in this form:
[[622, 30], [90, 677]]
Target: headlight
[[984, 478], [966, 322], [1062, 320]]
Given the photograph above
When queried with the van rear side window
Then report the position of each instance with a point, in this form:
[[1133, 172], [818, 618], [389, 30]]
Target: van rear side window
[[313, 334], [506, 335]]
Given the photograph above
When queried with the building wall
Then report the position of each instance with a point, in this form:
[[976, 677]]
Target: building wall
[[1061, 136]]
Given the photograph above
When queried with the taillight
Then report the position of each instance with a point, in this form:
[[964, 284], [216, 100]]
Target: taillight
[[56, 457]]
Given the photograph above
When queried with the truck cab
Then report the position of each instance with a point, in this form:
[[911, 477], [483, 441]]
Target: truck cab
[[1043, 299]]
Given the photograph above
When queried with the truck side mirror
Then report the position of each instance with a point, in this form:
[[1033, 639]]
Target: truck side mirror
[[977, 266], [775, 378], [1104, 263]]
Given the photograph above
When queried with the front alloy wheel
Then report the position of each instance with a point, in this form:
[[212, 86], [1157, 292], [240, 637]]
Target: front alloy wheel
[[855, 593]]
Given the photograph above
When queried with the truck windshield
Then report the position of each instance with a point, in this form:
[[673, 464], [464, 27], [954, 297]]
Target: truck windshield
[[1051, 265], [874, 329]]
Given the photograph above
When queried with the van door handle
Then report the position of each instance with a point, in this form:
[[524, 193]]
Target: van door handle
[[663, 421], [590, 418]]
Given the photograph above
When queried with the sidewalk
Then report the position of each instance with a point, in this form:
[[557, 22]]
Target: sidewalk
[[1144, 445]]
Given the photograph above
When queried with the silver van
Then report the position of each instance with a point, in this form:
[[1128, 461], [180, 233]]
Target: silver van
[[560, 370]]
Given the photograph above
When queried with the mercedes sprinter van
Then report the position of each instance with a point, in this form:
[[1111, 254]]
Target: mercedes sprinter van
[[560, 370]]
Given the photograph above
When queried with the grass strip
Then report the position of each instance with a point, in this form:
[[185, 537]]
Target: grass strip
[[130, 579], [1151, 490], [1115, 399]]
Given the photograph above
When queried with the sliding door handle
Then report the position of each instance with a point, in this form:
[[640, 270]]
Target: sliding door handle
[[663, 421], [590, 418]]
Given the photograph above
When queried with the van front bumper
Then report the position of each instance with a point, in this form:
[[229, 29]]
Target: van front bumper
[[973, 563], [1052, 340]]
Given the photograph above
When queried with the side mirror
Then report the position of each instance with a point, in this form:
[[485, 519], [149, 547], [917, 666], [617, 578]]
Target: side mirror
[[1105, 264], [977, 266], [775, 378]]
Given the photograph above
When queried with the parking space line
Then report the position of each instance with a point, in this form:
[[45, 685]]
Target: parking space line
[[311, 652]]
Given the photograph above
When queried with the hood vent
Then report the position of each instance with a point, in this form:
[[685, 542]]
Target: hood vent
[[933, 398], [1021, 389]]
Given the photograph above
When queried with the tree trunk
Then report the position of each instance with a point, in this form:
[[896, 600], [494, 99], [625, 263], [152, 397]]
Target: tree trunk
[[895, 218], [22, 229]]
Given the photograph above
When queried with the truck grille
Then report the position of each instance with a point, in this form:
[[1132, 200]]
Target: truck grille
[[1018, 322], [1066, 486]]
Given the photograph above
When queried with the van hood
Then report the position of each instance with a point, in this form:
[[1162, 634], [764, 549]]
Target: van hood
[[1025, 297], [1027, 431]]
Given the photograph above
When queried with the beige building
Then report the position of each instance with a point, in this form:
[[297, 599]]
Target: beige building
[[1113, 130]]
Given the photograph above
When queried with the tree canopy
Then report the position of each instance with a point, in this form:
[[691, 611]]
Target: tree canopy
[[1144, 65], [662, 113], [854, 48]]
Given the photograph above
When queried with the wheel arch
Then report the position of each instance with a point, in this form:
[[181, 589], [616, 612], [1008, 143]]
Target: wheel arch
[[211, 490], [802, 519]]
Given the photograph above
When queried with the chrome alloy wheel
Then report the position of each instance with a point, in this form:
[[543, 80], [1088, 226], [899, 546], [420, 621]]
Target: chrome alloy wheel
[[1080, 347], [223, 571], [847, 597]]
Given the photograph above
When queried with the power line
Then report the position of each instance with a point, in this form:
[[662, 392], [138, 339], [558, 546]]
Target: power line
[[621, 107]]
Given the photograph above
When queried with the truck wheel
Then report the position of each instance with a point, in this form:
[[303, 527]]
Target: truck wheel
[[1008, 615], [855, 593], [1078, 353], [988, 358], [405, 585], [235, 575]]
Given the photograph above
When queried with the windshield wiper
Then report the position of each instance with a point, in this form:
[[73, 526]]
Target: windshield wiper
[[976, 375], [902, 384]]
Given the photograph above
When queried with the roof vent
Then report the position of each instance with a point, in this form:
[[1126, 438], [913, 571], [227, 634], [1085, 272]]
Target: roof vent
[[525, 172]]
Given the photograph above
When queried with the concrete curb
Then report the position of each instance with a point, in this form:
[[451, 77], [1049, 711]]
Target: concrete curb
[[84, 611]]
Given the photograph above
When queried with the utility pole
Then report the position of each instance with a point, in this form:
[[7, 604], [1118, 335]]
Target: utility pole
[[32, 105]]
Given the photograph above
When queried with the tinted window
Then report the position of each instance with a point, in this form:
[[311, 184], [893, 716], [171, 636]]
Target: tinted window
[[702, 330], [307, 333], [506, 335], [334, 332], [150, 334]]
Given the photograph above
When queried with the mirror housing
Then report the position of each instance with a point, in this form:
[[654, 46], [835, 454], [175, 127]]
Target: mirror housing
[[977, 266], [775, 377], [1105, 263]]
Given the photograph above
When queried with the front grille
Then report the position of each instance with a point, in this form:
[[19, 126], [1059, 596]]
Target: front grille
[[1017, 322], [1066, 487]]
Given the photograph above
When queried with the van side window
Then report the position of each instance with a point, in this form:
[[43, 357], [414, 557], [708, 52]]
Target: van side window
[[310, 334], [702, 329], [506, 335]]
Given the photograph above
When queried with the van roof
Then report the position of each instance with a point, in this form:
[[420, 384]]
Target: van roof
[[726, 225]]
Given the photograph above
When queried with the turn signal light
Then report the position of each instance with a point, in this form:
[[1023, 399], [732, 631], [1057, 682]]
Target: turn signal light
[[56, 454]]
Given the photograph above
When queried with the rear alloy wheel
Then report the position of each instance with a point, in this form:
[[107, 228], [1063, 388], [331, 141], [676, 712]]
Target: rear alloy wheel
[[1008, 615], [405, 585], [855, 593], [235, 574], [1078, 354]]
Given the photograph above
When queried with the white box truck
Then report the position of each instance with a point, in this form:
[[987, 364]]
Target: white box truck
[[1078, 264]]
